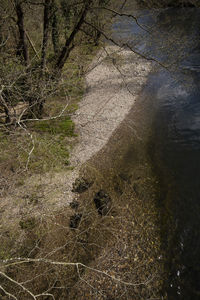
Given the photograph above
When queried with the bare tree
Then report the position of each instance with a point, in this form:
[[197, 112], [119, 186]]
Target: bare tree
[[68, 43], [46, 30], [22, 49]]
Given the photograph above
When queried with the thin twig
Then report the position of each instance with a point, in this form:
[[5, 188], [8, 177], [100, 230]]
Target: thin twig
[[20, 260]]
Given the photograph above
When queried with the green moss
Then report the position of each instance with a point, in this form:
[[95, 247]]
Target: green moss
[[58, 126]]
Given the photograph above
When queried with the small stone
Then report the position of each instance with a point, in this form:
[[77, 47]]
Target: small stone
[[103, 202], [75, 220], [74, 204]]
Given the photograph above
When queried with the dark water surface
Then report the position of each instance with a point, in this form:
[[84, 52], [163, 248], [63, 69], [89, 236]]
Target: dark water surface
[[171, 102]]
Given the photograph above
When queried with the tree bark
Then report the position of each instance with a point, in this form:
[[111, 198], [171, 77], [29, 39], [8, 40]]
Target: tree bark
[[22, 49], [46, 28], [55, 31]]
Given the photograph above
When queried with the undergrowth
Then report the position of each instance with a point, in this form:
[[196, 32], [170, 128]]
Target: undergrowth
[[54, 135]]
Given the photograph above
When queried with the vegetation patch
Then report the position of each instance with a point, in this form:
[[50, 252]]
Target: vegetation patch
[[62, 126], [27, 224]]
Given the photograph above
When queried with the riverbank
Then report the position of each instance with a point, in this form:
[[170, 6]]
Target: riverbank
[[117, 240], [124, 243], [113, 82]]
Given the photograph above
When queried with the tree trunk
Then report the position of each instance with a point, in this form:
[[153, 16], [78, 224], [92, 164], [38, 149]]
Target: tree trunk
[[46, 27], [22, 49], [55, 31], [68, 44]]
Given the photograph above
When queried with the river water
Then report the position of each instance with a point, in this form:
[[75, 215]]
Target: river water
[[170, 106]]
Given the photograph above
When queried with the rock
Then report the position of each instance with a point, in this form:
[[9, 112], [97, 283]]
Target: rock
[[74, 204], [81, 185], [103, 202], [75, 220]]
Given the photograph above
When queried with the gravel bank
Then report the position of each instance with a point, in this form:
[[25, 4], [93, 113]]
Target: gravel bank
[[113, 84]]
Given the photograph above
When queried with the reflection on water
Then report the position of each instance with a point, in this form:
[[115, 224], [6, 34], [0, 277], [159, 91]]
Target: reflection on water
[[176, 154], [173, 95]]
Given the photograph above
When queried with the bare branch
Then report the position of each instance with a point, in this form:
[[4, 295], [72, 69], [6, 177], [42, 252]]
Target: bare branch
[[117, 13], [125, 45], [18, 284], [20, 260], [8, 294]]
